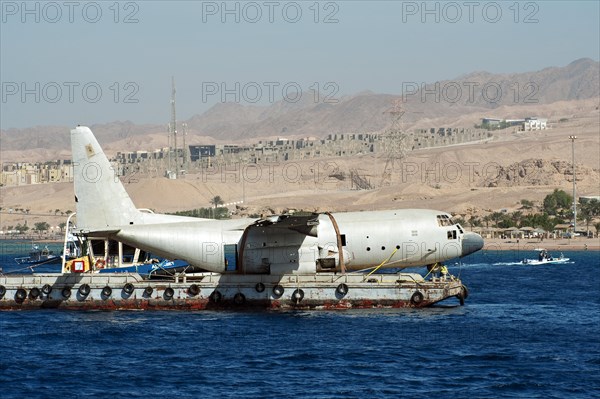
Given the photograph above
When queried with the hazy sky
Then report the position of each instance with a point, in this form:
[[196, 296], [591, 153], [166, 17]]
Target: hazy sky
[[74, 62]]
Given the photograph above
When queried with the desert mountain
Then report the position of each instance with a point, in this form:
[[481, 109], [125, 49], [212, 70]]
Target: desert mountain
[[478, 93]]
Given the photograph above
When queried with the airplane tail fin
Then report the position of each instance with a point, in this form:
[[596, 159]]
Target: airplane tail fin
[[100, 197]]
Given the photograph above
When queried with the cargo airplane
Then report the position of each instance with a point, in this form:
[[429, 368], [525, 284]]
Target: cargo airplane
[[276, 245]]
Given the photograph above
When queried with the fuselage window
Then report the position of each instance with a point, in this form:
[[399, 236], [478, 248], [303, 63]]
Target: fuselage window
[[444, 220]]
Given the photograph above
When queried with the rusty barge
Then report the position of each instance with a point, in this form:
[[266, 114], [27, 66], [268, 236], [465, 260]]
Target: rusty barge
[[88, 291]]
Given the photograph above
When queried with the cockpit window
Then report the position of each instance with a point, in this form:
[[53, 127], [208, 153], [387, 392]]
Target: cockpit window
[[444, 220]]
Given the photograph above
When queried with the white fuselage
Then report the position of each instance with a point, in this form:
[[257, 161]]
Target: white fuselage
[[401, 238]]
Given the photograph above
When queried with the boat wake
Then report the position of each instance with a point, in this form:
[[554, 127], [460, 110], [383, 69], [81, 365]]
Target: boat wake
[[512, 263]]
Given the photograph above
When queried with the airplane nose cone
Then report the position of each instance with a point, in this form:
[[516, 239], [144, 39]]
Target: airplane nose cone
[[471, 242]]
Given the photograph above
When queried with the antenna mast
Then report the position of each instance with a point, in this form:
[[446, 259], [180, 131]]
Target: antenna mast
[[184, 149], [174, 125], [169, 168]]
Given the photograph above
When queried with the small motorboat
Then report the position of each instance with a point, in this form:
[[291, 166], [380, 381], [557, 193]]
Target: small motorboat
[[39, 256], [545, 259]]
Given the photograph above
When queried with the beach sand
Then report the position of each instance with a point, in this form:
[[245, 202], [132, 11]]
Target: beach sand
[[559, 244]]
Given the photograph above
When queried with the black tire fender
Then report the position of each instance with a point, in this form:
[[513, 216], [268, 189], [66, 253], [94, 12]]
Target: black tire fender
[[46, 289], [239, 299], [464, 294], [84, 290], [2, 291], [20, 295], [216, 296], [66, 292], [106, 291], [416, 298], [194, 290], [259, 287], [34, 293], [128, 288], [278, 290], [169, 292], [297, 295], [342, 289], [148, 291]]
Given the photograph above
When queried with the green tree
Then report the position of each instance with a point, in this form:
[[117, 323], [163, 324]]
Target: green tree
[[40, 227], [589, 210], [540, 220], [216, 201], [22, 228], [487, 219], [526, 204], [460, 221], [221, 213], [506, 222], [474, 221], [496, 217], [517, 217], [557, 202]]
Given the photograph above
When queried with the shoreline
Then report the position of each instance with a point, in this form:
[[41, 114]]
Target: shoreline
[[559, 244]]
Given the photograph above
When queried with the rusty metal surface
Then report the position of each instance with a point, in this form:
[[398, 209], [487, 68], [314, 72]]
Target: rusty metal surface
[[216, 291]]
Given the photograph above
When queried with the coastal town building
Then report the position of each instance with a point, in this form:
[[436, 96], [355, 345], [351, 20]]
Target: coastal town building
[[201, 156]]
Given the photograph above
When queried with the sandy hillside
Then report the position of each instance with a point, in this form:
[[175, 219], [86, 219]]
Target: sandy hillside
[[464, 179]]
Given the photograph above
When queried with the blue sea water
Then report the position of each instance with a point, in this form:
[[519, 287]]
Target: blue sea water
[[525, 331]]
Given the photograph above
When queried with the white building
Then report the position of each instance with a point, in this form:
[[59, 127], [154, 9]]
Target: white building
[[534, 123]]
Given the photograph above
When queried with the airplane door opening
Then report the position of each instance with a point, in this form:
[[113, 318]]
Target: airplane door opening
[[230, 252]]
